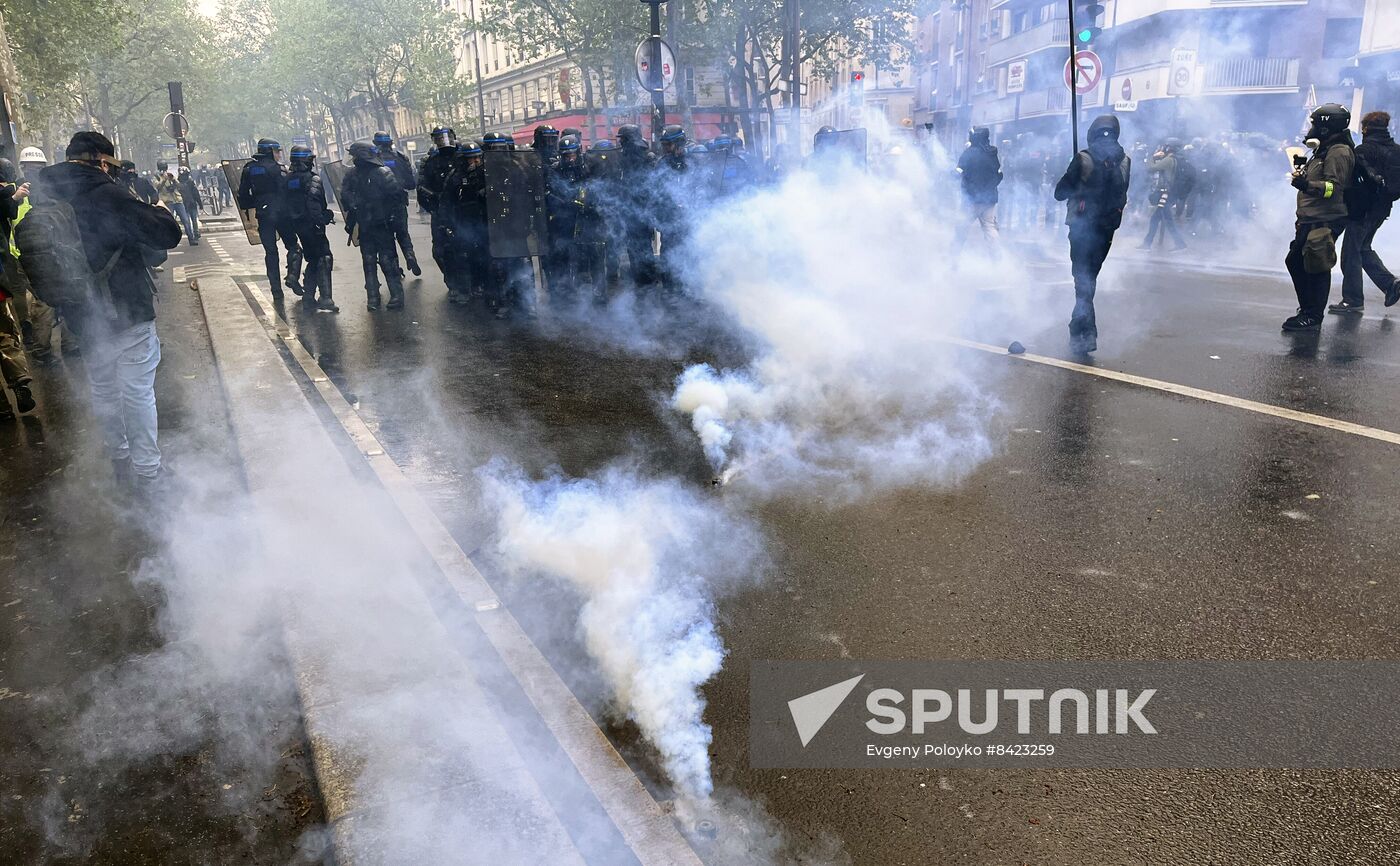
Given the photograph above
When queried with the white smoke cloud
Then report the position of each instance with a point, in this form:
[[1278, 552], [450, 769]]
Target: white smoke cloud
[[647, 557], [845, 286]]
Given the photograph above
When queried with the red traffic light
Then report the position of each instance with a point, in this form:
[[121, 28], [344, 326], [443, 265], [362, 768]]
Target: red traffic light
[[857, 76]]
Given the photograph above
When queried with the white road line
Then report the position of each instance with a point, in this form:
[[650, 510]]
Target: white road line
[[1194, 393], [646, 828]]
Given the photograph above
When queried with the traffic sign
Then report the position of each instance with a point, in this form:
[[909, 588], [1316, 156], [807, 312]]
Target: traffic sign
[[643, 58], [1083, 72], [1127, 89], [176, 126], [1182, 78]]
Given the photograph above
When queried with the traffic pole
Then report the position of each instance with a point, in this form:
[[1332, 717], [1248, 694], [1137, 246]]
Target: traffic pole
[[658, 79], [177, 108], [1073, 87]]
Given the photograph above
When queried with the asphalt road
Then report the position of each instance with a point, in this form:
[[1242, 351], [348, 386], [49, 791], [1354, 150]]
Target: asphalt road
[[1115, 522]]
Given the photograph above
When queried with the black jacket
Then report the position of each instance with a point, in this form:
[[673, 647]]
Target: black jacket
[[190, 193], [1095, 187], [402, 167], [370, 196], [110, 219], [463, 201], [1380, 152], [431, 178], [306, 199], [260, 186], [980, 168]]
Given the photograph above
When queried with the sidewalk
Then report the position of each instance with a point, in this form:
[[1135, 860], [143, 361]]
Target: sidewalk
[[103, 765]]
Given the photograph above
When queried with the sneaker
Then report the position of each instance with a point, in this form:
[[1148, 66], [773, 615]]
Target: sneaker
[[328, 305], [24, 401], [1347, 307], [1392, 294], [1302, 323]]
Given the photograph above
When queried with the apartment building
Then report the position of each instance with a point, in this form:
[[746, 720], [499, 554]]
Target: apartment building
[[1252, 65]]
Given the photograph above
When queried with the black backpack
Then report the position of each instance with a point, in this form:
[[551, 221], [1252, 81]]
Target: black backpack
[[1104, 192], [51, 250], [1368, 187]]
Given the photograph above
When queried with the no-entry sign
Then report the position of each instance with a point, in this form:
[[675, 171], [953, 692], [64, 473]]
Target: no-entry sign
[[1083, 72]]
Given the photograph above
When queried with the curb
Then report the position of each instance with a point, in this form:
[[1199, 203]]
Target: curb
[[404, 735]]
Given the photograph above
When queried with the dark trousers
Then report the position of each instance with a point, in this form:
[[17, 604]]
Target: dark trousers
[[317, 250], [1358, 257], [378, 253], [1088, 248], [1162, 219], [269, 231], [401, 235], [1311, 289]]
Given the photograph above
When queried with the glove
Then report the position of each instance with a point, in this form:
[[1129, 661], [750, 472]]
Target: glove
[[1300, 181]]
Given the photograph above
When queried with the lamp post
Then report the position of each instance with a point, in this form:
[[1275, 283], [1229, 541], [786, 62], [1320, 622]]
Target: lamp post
[[656, 79]]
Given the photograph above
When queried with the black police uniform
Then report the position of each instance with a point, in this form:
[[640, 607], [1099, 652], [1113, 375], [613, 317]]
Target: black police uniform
[[372, 198], [462, 209], [402, 167], [260, 188], [432, 176], [308, 215]]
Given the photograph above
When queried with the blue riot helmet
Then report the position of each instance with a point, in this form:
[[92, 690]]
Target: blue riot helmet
[[444, 138], [383, 140], [268, 146], [496, 141], [302, 156], [570, 144], [365, 151], [603, 144], [469, 148], [696, 147], [720, 142]]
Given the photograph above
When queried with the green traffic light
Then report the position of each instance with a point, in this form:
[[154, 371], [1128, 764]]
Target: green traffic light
[[1085, 35]]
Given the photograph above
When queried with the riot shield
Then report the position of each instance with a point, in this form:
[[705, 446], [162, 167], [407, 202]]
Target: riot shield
[[840, 146], [332, 179], [516, 222], [233, 173], [707, 171]]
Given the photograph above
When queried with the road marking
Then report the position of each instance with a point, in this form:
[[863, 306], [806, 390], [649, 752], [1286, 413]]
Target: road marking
[[1194, 393], [642, 822]]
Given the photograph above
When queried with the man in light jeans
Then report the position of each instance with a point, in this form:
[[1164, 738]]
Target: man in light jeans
[[120, 345]]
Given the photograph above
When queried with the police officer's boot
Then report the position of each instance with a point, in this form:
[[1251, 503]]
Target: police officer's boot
[[294, 271], [323, 275], [308, 295], [274, 281], [412, 261], [371, 283], [394, 277]]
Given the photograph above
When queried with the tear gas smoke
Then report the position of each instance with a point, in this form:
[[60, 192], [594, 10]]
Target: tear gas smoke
[[850, 387], [647, 557]]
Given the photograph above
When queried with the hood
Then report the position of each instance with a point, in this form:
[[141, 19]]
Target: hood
[[67, 180], [1104, 126], [981, 136], [376, 161]]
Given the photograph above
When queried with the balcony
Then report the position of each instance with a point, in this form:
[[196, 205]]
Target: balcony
[[1051, 34], [1252, 75], [1034, 103]]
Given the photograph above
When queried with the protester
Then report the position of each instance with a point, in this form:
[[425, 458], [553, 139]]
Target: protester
[[121, 237], [979, 169], [1367, 211], [1095, 191]]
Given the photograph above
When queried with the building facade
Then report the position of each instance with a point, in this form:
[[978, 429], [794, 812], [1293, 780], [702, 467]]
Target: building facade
[[1167, 67]]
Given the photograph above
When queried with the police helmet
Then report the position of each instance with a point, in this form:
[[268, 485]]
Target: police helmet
[[1171, 145], [383, 139], [571, 130], [444, 137], [32, 154], [672, 132], [569, 144], [127, 165], [825, 130], [268, 145], [468, 148], [302, 153], [1330, 119], [603, 144], [162, 166], [629, 133], [696, 147], [720, 142], [364, 150], [496, 141]]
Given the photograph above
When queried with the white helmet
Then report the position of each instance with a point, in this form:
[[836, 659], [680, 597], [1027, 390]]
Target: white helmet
[[33, 154]]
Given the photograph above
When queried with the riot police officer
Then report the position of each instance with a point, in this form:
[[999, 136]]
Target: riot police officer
[[308, 216], [371, 199], [563, 202], [431, 178], [461, 208], [260, 189], [674, 195], [402, 167], [546, 144], [496, 141], [635, 204]]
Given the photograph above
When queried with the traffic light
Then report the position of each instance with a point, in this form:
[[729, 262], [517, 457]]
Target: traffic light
[[1087, 17], [857, 92]]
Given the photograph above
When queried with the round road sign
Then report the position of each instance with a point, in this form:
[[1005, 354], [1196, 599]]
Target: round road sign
[[1083, 73], [176, 126], [643, 58]]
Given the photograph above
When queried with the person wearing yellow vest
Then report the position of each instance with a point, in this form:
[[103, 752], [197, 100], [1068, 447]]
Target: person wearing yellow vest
[[14, 366]]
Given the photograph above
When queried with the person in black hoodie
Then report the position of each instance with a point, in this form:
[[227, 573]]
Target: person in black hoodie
[[1095, 190], [121, 351], [1367, 213], [979, 169]]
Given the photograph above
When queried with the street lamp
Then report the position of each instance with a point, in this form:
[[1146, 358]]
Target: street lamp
[[657, 83]]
